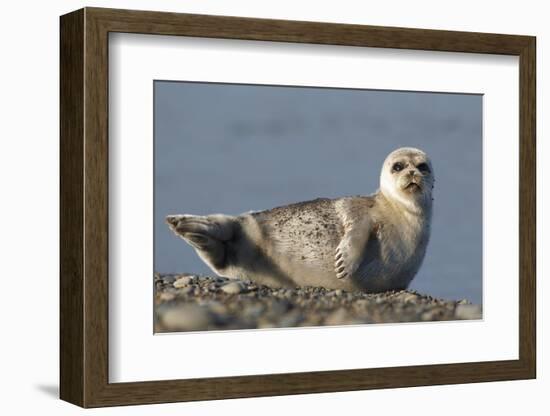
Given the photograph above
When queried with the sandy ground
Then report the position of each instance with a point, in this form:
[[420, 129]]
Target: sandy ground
[[186, 302]]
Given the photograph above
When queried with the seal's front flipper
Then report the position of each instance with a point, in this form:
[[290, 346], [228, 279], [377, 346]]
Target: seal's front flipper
[[351, 250]]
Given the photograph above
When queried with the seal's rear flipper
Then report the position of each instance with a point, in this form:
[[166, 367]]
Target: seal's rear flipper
[[206, 234]]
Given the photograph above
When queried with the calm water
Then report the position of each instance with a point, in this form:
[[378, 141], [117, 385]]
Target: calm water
[[233, 148]]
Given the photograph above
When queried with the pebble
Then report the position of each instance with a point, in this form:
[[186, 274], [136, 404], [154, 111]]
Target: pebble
[[188, 317], [183, 281], [169, 278], [467, 311], [278, 307], [216, 307], [338, 317], [167, 296], [290, 319], [233, 288], [407, 297], [430, 315], [186, 290], [253, 311], [362, 304]]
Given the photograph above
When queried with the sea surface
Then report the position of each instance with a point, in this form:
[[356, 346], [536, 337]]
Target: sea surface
[[226, 148]]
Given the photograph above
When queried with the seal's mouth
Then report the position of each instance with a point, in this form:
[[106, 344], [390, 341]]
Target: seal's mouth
[[413, 187]]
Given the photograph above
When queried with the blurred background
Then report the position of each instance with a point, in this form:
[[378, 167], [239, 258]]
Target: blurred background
[[231, 148]]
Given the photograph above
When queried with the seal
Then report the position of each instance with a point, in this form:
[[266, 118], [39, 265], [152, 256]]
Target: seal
[[371, 243]]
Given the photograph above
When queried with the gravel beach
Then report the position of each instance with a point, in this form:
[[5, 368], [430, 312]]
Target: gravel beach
[[186, 302]]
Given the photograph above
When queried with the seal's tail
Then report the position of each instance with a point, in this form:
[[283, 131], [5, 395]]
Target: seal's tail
[[206, 234]]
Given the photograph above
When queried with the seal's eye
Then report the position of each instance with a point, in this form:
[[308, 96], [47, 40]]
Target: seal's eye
[[423, 167], [398, 166]]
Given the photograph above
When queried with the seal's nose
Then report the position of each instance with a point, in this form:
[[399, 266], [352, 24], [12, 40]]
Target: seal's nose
[[412, 172]]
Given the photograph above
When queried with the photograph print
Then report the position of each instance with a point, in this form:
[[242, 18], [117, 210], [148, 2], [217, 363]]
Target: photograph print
[[291, 206]]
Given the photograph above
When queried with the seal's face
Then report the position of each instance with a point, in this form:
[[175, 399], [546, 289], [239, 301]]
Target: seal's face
[[407, 176]]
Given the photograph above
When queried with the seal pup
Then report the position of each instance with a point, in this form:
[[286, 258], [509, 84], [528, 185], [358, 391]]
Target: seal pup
[[373, 243]]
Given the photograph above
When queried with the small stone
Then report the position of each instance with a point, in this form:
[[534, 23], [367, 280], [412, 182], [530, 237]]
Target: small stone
[[407, 297], [166, 296], [468, 311], [233, 288], [277, 308], [183, 281], [168, 279], [186, 290], [361, 304], [186, 318], [290, 319], [431, 315], [253, 311], [216, 307], [264, 323], [338, 317]]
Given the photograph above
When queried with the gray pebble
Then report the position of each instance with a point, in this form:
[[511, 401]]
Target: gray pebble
[[167, 296], [216, 307], [169, 279], [430, 315], [338, 317], [188, 317], [361, 304], [277, 308], [290, 319], [253, 311], [466, 311], [186, 290]]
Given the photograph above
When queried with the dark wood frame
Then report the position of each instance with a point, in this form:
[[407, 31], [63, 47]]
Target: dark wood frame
[[84, 209]]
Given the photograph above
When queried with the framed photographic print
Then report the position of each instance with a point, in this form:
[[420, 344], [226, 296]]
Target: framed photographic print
[[255, 207]]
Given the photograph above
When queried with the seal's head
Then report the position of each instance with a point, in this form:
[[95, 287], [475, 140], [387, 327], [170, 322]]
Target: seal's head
[[407, 178]]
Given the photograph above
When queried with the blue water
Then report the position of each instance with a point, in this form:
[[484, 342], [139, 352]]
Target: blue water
[[223, 148]]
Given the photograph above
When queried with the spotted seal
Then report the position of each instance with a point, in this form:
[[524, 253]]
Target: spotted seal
[[373, 243]]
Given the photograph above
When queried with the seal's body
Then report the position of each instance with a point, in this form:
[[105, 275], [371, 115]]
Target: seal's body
[[373, 243]]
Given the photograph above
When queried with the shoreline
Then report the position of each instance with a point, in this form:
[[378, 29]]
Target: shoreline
[[189, 302]]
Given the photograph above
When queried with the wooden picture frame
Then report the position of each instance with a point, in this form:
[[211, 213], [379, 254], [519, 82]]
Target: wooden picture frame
[[84, 207]]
